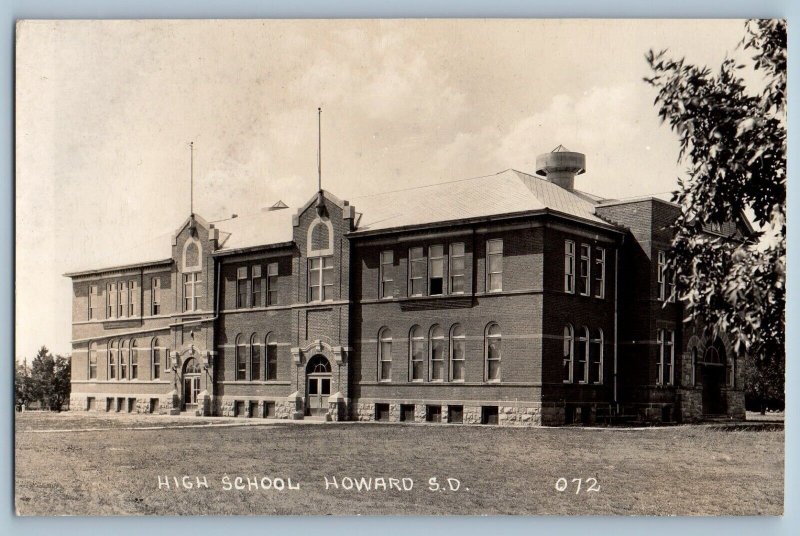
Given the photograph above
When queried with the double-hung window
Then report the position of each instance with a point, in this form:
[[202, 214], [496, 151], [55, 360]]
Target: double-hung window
[[494, 265], [122, 299], [569, 266], [111, 292], [131, 298], [585, 266], [134, 361], [241, 287], [493, 353], [241, 359], [416, 272], [666, 279], [436, 354], [191, 291], [600, 273], [155, 288], [596, 358], [457, 266], [582, 355], [416, 350], [255, 358], [436, 270], [155, 356], [271, 358], [666, 357], [386, 274], [272, 283], [320, 279], [93, 297], [256, 287], [385, 355], [569, 353], [93, 361], [457, 353]]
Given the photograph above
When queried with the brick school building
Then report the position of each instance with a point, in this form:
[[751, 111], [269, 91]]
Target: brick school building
[[510, 299]]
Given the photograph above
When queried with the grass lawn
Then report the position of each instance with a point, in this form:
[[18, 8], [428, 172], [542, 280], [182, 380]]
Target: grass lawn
[[707, 470]]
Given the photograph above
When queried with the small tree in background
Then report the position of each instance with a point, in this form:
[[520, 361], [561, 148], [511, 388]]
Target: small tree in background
[[22, 383], [733, 142]]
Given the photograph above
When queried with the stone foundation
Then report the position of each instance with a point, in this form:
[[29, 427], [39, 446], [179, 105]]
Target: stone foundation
[[141, 404], [735, 404], [472, 414], [552, 415], [364, 411], [689, 405], [523, 414], [520, 416]]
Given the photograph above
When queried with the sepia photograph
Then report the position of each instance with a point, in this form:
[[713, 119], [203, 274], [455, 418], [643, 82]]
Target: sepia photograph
[[387, 267]]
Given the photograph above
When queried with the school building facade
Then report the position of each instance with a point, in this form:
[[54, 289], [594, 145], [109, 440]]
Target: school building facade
[[511, 299]]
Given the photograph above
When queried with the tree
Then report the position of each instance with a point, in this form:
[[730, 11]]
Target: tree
[[50, 379], [22, 383], [733, 141]]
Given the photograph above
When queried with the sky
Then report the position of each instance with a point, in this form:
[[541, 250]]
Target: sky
[[105, 111]]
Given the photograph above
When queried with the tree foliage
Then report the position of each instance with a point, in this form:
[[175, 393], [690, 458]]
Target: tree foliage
[[49, 380], [22, 383], [733, 142]]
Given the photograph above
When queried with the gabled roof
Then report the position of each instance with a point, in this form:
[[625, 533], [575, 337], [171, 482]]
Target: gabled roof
[[507, 192], [261, 228]]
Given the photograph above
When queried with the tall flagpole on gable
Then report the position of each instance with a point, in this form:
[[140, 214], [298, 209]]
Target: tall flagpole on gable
[[321, 211], [191, 178]]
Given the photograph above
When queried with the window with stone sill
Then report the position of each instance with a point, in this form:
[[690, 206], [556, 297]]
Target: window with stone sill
[[385, 355], [493, 353]]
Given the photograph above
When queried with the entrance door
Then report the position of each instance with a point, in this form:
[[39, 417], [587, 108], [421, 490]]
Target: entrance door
[[319, 389], [191, 388], [713, 377], [318, 385]]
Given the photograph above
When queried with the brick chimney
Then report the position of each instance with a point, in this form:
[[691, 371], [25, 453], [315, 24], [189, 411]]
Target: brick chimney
[[560, 166]]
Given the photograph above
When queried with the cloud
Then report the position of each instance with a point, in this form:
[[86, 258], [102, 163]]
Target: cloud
[[615, 126]]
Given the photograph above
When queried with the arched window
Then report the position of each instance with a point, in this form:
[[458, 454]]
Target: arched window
[[112, 360], [93, 361], [493, 352], [694, 366], [436, 354], [192, 366], [255, 358], [124, 356], [241, 358], [416, 354], [457, 353], [385, 355], [271, 358], [582, 355], [596, 358], [569, 353], [134, 360], [155, 359], [318, 364]]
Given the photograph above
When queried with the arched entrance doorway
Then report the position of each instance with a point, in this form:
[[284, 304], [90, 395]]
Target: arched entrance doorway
[[318, 385], [713, 378], [191, 384]]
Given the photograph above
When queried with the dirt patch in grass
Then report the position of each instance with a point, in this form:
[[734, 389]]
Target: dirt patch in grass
[[657, 471]]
